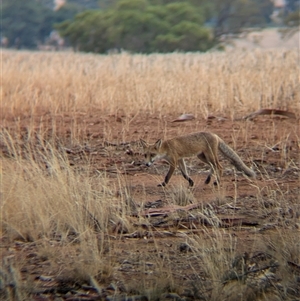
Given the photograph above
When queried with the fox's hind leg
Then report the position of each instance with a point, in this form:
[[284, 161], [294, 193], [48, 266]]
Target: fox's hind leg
[[183, 170], [202, 157], [215, 166]]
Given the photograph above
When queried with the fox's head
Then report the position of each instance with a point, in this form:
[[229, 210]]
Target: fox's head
[[151, 151]]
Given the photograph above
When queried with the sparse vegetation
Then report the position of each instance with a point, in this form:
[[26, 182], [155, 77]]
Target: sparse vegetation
[[80, 215]]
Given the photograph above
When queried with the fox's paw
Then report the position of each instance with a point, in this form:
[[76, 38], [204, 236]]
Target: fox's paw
[[163, 184], [191, 183]]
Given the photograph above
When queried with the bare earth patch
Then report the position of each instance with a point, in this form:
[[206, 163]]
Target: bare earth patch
[[173, 242]]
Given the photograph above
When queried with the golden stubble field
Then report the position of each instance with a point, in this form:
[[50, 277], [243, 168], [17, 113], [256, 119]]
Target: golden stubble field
[[83, 219]]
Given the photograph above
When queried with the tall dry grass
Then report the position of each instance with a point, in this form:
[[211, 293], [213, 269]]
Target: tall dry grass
[[73, 215], [203, 84], [68, 216]]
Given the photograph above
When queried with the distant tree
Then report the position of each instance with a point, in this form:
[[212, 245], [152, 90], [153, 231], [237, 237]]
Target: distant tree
[[183, 11], [232, 16], [89, 31], [292, 23], [134, 25], [186, 31], [205, 7], [22, 22], [27, 23], [66, 12], [105, 4], [293, 19], [185, 36], [138, 26]]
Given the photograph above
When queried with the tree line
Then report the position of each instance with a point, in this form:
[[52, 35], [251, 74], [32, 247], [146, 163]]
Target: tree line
[[143, 26]]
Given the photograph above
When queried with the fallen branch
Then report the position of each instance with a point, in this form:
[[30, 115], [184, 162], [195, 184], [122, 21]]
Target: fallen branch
[[271, 112]]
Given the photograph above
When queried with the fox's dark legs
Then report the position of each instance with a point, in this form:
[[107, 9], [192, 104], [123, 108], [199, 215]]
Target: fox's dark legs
[[207, 157], [182, 167], [215, 166], [183, 170], [169, 175]]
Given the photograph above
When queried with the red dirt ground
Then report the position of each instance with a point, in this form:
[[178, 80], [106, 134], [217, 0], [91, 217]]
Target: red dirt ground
[[271, 143]]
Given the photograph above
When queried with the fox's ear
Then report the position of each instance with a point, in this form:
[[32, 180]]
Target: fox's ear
[[158, 143], [144, 143]]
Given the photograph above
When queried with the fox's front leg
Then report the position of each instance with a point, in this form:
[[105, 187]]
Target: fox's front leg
[[184, 172], [168, 176]]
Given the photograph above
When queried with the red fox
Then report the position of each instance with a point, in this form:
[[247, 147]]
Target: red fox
[[203, 144]]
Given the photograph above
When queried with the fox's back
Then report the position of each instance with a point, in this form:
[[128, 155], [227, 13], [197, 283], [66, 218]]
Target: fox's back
[[191, 144]]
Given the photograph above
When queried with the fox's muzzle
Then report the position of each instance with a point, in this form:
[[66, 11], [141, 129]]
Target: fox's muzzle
[[148, 164]]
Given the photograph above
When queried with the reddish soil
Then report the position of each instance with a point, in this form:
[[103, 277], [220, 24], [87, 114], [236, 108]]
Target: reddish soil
[[269, 143]]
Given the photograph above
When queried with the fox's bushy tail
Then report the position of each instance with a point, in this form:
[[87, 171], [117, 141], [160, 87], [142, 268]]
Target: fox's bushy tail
[[234, 158]]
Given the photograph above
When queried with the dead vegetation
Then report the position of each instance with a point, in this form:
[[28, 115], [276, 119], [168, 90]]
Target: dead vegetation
[[83, 219]]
